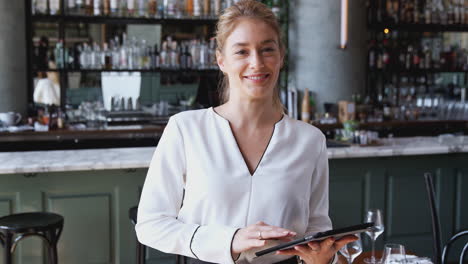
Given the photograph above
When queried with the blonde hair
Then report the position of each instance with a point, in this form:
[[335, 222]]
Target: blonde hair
[[226, 24]]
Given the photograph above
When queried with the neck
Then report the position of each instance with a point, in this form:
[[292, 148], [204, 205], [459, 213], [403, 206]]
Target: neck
[[250, 114]]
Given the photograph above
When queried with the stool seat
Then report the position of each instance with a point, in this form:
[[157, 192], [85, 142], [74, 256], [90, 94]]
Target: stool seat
[[15, 227], [24, 222]]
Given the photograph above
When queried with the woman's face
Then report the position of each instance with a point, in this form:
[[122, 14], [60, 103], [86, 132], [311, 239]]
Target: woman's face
[[251, 59]]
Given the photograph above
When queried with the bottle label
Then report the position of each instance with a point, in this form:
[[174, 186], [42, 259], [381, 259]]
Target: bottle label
[[305, 116], [71, 4]]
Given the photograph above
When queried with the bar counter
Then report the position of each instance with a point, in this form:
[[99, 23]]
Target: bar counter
[[133, 158], [95, 188]]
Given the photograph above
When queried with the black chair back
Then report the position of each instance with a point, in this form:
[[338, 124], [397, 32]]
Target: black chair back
[[436, 240]]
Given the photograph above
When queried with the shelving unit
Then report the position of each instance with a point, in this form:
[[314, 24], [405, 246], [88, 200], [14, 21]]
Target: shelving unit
[[63, 20], [413, 72]]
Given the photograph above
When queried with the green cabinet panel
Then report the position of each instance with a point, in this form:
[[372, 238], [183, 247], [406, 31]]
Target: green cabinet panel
[[97, 228], [396, 185], [88, 218]]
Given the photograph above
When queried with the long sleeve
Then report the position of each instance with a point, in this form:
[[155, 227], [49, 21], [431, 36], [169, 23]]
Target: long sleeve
[[157, 225], [318, 204]]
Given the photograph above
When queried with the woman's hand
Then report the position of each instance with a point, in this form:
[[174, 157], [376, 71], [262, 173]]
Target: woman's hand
[[318, 252], [255, 235]]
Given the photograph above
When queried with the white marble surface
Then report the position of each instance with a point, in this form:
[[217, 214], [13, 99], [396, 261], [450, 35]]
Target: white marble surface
[[125, 158], [404, 147]]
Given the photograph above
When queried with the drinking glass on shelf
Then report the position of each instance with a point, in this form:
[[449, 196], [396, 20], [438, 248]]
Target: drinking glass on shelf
[[374, 216], [394, 254], [351, 250]]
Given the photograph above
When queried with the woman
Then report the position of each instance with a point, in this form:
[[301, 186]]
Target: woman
[[252, 176]]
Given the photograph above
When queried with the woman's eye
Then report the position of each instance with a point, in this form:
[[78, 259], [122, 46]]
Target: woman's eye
[[241, 52], [268, 50]]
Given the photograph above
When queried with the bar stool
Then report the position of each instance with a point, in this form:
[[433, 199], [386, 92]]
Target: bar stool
[[47, 226]]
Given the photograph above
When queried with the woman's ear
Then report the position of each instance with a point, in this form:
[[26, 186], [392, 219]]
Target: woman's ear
[[220, 60]]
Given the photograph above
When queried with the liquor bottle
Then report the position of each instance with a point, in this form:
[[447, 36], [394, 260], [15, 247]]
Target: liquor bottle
[[156, 58], [372, 54], [206, 8], [386, 58], [97, 7], [276, 8], [79, 7], [217, 7], [54, 7], [71, 7], [130, 8], [197, 8], [305, 109], [189, 8], [164, 58], [170, 8], [58, 54], [182, 57], [114, 7], [89, 7], [142, 8], [188, 57], [41, 7], [152, 8], [106, 7]]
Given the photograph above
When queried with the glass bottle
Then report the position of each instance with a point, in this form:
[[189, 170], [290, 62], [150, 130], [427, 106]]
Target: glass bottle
[[54, 7], [89, 7], [106, 7], [189, 8], [41, 6], [114, 7], [130, 8], [152, 8], [206, 8], [97, 7], [142, 4], [197, 8], [217, 7]]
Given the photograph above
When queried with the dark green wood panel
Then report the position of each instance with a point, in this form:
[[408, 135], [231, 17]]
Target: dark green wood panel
[[87, 219], [6, 206], [461, 200], [406, 201]]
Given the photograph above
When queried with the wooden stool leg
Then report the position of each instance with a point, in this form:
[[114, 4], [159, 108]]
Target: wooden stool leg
[[8, 243]]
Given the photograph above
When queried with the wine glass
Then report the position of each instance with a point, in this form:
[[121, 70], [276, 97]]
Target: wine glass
[[394, 254], [351, 250], [374, 216]]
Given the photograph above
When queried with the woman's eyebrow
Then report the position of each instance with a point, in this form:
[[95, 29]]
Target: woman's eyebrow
[[242, 44]]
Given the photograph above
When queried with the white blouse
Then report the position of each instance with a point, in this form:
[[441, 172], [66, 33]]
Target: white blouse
[[199, 154]]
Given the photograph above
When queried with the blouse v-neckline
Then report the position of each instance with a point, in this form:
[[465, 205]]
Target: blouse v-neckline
[[239, 152]]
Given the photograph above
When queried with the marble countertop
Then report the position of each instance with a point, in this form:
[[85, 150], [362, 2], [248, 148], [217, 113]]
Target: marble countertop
[[126, 158]]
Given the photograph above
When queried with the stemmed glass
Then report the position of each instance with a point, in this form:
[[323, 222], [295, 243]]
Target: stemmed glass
[[394, 254], [351, 250], [374, 216]]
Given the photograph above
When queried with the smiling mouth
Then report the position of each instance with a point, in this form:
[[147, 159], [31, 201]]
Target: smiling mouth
[[257, 77]]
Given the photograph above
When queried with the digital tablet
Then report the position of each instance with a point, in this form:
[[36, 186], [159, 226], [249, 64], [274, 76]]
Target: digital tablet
[[336, 233]]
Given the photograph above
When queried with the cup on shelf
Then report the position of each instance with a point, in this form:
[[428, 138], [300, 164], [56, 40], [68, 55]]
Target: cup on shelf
[[10, 118]]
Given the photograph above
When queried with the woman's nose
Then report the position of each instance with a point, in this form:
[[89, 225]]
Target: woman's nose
[[256, 60]]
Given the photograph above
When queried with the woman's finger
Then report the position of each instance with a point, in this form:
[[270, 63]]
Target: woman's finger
[[328, 243], [289, 252], [345, 240], [314, 246]]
